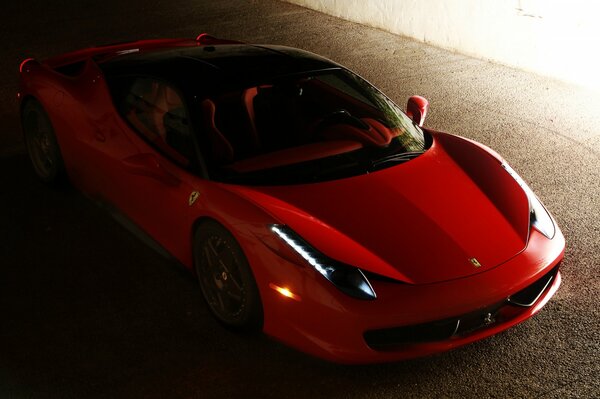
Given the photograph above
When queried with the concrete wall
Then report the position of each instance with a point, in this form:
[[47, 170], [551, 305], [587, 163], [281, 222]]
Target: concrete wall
[[558, 38]]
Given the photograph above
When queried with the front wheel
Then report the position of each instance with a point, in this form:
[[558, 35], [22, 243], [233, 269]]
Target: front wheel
[[41, 143], [226, 280]]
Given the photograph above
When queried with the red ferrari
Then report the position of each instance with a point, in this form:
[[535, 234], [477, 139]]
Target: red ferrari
[[308, 204]]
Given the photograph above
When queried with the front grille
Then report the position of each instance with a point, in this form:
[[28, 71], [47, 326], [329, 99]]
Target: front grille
[[389, 338]]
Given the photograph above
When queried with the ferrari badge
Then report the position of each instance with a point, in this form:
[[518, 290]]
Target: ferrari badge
[[193, 197]]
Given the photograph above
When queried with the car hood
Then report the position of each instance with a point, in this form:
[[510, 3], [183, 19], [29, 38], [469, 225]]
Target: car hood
[[449, 213]]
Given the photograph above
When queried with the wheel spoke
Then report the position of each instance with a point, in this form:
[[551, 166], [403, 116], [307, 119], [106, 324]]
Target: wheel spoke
[[207, 256], [220, 267], [219, 294], [233, 280], [237, 297], [221, 304], [218, 257], [212, 248], [210, 260]]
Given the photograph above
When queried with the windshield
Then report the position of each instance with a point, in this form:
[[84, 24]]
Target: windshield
[[304, 128]]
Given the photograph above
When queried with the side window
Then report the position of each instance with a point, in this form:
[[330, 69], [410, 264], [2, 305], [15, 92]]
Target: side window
[[157, 112]]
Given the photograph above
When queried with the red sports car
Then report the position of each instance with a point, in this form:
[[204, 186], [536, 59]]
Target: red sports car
[[309, 205]]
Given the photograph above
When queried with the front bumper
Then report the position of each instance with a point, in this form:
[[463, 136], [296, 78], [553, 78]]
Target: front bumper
[[455, 328], [401, 323]]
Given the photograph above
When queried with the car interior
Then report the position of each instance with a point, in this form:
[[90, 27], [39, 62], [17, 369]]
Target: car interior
[[292, 121], [263, 126]]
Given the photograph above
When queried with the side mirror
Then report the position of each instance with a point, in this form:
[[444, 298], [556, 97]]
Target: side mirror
[[417, 108]]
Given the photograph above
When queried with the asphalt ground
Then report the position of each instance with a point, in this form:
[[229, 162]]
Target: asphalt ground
[[88, 310]]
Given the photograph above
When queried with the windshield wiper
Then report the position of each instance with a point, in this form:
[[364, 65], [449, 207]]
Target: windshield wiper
[[396, 158]]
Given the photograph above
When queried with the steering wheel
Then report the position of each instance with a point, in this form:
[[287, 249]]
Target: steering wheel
[[339, 116]]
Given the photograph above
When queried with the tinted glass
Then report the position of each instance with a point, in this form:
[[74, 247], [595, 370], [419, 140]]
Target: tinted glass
[[157, 113], [304, 128]]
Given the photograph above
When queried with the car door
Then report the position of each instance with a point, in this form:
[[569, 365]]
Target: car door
[[150, 180]]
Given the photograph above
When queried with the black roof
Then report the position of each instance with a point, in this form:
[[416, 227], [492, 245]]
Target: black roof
[[218, 65]]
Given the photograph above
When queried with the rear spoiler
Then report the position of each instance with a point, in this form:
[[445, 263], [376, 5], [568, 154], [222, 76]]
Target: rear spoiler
[[115, 49]]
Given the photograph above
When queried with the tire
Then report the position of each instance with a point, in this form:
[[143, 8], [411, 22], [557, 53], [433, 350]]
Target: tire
[[42, 146], [225, 278]]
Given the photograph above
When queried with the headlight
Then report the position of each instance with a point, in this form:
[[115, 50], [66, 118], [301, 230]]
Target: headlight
[[350, 280], [538, 215]]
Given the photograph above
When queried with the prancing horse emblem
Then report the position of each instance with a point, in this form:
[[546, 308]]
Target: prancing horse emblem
[[488, 319], [193, 197], [475, 262]]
